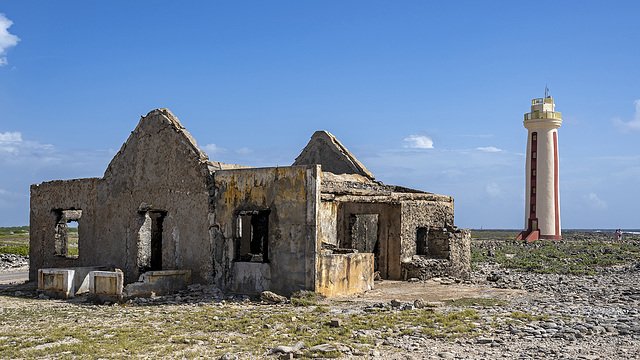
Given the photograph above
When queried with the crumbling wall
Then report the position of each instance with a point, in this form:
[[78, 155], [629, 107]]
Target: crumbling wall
[[345, 274], [387, 250], [159, 169], [418, 213], [48, 199], [290, 197], [451, 256], [328, 223]]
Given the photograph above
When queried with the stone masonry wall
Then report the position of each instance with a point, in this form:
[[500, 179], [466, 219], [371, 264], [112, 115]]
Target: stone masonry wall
[[423, 213]]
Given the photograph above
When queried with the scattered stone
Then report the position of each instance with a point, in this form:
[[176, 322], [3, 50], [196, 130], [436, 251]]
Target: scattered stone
[[325, 348], [283, 349], [336, 322], [272, 298], [228, 356]]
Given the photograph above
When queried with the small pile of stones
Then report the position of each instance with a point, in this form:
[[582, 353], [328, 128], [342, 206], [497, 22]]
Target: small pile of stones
[[13, 262]]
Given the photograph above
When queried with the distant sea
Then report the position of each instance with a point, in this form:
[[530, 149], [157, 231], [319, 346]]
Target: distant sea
[[624, 231]]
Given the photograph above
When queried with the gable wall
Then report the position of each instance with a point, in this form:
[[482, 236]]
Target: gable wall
[[157, 169]]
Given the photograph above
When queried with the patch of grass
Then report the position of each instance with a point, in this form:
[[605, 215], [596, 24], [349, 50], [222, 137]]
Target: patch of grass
[[34, 329], [302, 302], [15, 249], [581, 253], [306, 298], [15, 230]]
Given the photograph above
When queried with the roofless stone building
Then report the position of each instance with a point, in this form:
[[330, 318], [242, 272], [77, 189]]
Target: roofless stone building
[[323, 224]]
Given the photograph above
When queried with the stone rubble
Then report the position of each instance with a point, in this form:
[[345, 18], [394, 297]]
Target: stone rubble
[[583, 317], [577, 317], [11, 262]]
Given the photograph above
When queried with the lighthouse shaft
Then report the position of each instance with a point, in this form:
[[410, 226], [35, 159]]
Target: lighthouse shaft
[[542, 209]]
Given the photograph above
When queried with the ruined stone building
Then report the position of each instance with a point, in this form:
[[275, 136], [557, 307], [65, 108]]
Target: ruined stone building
[[323, 224]]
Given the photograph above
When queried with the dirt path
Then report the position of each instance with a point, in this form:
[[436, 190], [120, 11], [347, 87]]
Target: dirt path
[[14, 277]]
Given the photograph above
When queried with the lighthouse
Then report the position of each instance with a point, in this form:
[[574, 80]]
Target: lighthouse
[[542, 197]]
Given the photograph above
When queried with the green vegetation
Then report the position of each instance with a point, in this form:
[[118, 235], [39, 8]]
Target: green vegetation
[[14, 240], [306, 298], [35, 329], [579, 253]]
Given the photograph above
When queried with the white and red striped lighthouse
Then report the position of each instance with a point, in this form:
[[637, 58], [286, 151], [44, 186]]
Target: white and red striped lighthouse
[[542, 209]]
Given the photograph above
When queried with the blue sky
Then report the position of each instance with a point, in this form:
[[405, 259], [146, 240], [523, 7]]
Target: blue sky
[[426, 94]]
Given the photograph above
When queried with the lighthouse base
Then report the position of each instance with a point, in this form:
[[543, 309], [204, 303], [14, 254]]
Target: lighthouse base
[[535, 235]]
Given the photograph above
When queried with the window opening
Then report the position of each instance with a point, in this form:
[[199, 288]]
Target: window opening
[[421, 241], [252, 233], [437, 245], [66, 233]]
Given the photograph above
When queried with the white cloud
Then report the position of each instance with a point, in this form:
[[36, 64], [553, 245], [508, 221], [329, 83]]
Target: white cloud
[[594, 202], [10, 142], [418, 142], [7, 39], [213, 149], [633, 125], [10, 137], [489, 149], [244, 151]]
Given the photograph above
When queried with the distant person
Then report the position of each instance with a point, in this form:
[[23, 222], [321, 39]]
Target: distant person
[[618, 235]]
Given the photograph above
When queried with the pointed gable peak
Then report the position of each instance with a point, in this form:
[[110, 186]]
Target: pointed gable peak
[[326, 150]]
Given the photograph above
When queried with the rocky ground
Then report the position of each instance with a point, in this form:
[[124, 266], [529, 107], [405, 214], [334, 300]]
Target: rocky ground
[[539, 316], [11, 262]]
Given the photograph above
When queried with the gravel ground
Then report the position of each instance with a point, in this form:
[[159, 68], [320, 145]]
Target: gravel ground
[[579, 317]]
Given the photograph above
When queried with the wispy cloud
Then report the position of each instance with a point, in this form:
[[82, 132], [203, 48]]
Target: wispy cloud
[[493, 189], [418, 142], [7, 39], [633, 125], [213, 149], [593, 202], [13, 149], [489, 149], [9, 142]]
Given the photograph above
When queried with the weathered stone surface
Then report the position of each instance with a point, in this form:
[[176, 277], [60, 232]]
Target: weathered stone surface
[[450, 256], [325, 150], [283, 349], [272, 298], [162, 205]]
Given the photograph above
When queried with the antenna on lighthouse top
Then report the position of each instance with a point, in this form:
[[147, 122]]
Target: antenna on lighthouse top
[[546, 91]]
